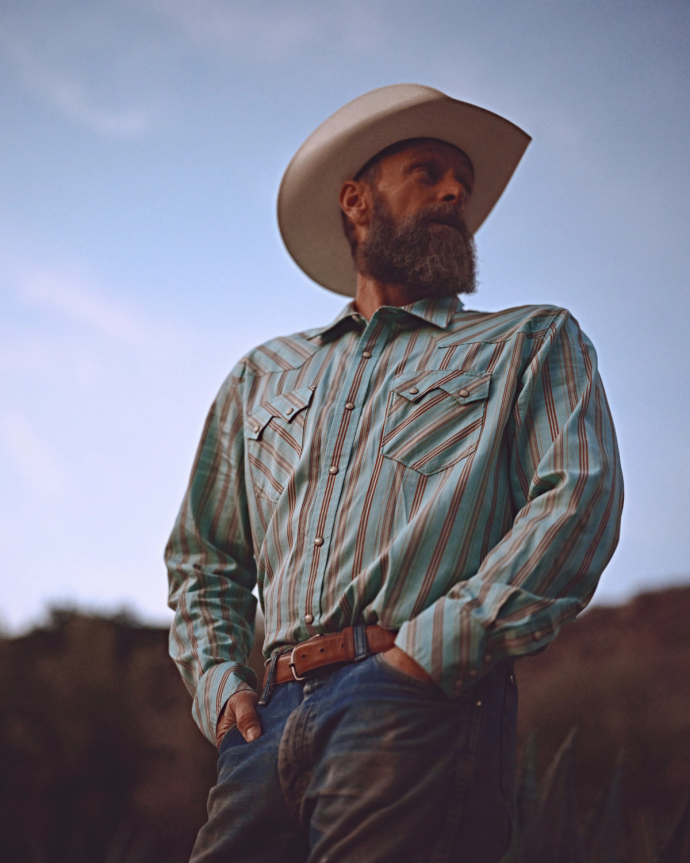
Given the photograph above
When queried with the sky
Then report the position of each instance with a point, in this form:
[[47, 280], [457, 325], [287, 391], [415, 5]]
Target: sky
[[141, 147]]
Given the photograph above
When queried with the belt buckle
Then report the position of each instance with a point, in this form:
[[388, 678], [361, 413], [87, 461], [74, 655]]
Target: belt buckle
[[293, 666], [292, 657]]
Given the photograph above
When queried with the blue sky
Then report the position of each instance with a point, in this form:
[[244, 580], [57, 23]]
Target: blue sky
[[141, 149]]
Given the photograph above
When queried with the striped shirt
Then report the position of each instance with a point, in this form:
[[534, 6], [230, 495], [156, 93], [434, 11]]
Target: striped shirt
[[451, 475]]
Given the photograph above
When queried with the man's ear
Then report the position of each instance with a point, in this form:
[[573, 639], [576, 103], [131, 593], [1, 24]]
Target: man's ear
[[355, 201]]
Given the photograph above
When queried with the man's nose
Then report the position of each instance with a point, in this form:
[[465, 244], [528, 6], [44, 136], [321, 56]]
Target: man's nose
[[452, 191]]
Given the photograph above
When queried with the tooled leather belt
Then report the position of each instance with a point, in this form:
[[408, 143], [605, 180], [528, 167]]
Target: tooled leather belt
[[350, 645]]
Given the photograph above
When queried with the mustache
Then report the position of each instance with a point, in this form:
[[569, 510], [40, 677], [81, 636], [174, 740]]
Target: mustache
[[444, 214]]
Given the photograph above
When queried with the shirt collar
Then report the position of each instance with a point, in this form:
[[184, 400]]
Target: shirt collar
[[437, 311]]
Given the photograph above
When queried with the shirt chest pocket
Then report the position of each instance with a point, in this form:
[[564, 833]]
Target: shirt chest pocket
[[434, 419], [274, 431]]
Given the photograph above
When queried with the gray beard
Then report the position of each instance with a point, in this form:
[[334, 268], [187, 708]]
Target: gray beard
[[432, 259]]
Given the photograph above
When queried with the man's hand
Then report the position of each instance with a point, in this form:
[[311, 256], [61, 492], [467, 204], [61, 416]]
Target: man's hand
[[239, 709], [400, 660]]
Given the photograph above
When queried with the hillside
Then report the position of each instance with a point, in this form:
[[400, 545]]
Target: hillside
[[95, 724]]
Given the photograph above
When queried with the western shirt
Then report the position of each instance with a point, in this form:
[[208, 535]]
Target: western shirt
[[450, 475]]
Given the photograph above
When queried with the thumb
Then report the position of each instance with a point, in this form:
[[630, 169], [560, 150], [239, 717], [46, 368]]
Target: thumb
[[247, 719]]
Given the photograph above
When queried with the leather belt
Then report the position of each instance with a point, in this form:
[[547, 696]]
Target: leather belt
[[353, 643]]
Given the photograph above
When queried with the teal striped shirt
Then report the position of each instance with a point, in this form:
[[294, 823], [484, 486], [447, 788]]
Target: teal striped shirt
[[450, 475]]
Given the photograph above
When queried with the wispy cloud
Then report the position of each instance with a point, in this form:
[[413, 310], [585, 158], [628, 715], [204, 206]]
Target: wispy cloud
[[62, 328], [72, 297], [116, 68], [70, 95], [256, 32], [28, 453], [80, 61], [270, 31]]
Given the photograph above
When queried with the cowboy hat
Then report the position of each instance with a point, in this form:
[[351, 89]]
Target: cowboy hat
[[308, 210]]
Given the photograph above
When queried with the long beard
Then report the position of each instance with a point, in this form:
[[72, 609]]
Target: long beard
[[430, 258]]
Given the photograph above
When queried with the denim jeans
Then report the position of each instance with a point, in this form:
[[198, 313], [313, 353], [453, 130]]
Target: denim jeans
[[365, 764]]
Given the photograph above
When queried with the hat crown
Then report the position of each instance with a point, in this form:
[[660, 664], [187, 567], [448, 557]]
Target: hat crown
[[364, 109]]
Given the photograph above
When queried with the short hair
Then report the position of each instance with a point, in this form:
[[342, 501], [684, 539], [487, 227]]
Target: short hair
[[369, 174]]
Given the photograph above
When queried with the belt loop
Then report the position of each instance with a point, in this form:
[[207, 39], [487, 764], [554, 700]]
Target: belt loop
[[359, 634], [269, 679]]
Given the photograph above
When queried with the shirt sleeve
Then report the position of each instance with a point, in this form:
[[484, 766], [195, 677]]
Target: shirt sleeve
[[211, 569], [567, 491]]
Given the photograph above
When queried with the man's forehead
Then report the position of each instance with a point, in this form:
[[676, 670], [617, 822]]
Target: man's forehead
[[420, 146]]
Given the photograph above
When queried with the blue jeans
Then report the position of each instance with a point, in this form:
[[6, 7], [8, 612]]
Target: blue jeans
[[365, 764]]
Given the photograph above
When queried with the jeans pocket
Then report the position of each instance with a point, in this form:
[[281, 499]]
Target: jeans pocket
[[228, 737], [425, 686]]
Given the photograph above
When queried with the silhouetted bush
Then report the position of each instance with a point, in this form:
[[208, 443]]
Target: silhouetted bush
[[101, 760], [95, 732]]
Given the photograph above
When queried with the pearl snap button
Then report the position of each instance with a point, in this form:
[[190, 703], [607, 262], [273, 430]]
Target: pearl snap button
[[288, 411], [308, 618], [333, 470], [318, 540], [349, 406], [414, 390], [366, 355], [464, 393], [536, 636]]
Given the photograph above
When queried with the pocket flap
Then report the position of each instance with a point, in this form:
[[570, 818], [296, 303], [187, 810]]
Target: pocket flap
[[464, 386], [286, 406]]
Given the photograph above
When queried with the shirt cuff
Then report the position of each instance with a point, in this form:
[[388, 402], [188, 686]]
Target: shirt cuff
[[213, 690], [413, 639], [453, 644], [457, 640]]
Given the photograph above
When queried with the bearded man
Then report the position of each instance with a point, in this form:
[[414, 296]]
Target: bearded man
[[421, 494]]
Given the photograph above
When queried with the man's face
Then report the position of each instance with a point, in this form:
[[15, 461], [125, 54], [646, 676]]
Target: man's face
[[423, 175], [417, 234]]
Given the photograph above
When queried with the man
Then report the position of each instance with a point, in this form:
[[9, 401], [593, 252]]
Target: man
[[421, 495]]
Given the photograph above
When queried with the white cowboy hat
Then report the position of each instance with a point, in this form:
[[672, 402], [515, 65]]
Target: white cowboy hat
[[308, 210]]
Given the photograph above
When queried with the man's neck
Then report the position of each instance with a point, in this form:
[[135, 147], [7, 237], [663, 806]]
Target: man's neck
[[372, 294]]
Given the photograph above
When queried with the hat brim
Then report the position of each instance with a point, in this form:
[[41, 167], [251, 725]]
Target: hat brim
[[308, 210]]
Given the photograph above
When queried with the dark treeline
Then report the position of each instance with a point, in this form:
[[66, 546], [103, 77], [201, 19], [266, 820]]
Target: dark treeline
[[96, 737]]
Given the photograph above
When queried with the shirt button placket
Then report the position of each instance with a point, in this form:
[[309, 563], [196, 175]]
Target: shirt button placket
[[343, 459]]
